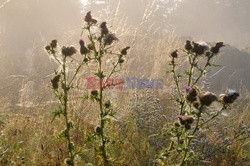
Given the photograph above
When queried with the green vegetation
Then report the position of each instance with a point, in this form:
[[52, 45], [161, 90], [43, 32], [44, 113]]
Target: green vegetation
[[181, 124]]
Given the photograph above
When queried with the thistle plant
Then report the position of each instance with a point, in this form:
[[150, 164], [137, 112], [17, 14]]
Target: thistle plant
[[62, 84], [192, 101], [100, 47]]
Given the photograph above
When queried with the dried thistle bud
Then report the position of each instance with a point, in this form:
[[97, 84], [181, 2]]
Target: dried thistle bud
[[208, 98], [68, 161], [187, 126], [93, 21], [188, 45], [177, 124], [68, 50], [121, 60], [53, 43], [181, 141], [191, 94], [186, 119], [104, 29], [88, 17], [48, 48], [91, 46], [196, 104], [124, 50], [107, 104], [55, 81], [110, 38], [215, 49], [98, 130], [230, 97], [189, 119], [83, 50], [94, 93], [198, 49], [85, 60], [174, 54]]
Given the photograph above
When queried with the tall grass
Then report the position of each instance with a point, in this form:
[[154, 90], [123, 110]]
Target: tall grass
[[29, 138]]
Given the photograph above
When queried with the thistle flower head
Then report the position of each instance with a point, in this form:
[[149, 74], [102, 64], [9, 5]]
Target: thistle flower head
[[98, 129], [107, 104], [110, 38], [68, 50], [188, 45], [188, 89], [180, 117], [88, 18], [215, 49], [208, 98], [198, 49], [55, 81], [47, 48], [191, 94], [229, 97], [104, 29], [94, 93], [187, 126], [81, 42], [53, 43], [174, 54], [91, 46], [124, 50]]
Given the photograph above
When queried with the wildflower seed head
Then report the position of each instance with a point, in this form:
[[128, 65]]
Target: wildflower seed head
[[124, 50], [68, 161], [68, 50], [91, 46], [187, 126], [177, 124], [198, 49], [98, 130], [174, 54], [208, 98], [215, 49], [88, 17], [47, 48], [196, 104], [191, 94], [81, 42], [110, 38], [55, 81], [85, 60], [188, 45], [107, 104], [230, 97], [121, 60], [219, 44], [94, 93], [83, 50], [104, 29], [189, 119], [53, 43], [93, 21]]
